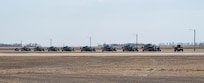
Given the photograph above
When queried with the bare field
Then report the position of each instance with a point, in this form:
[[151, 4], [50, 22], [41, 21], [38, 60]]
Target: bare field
[[100, 68]]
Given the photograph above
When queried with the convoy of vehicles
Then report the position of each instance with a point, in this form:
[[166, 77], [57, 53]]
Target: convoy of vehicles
[[23, 49], [130, 48]]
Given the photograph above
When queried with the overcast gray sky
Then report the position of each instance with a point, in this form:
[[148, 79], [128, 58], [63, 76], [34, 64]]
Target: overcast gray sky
[[72, 22]]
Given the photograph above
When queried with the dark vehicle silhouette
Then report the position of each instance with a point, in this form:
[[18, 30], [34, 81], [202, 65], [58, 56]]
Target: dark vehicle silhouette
[[150, 47], [17, 49], [39, 49], [86, 48], [129, 48], [23, 49], [66, 48], [178, 48], [108, 48], [52, 48]]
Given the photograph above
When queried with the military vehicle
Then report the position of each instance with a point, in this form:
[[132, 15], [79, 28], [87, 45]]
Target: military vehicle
[[23, 49], [178, 48], [150, 47], [16, 49], [52, 48], [66, 48], [39, 49], [129, 48], [108, 48], [86, 48]]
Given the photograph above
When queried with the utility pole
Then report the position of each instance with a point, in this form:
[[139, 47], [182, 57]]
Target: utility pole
[[50, 42], [21, 43], [90, 41], [194, 38], [136, 39]]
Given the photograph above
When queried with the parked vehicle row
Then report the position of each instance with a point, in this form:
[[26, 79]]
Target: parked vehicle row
[[147, 47], [52, 48]]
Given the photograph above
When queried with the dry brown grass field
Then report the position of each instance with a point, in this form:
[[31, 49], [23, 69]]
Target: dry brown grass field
[[101, 67]]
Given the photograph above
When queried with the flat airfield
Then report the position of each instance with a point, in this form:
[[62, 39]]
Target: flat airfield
[[108, 67]]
